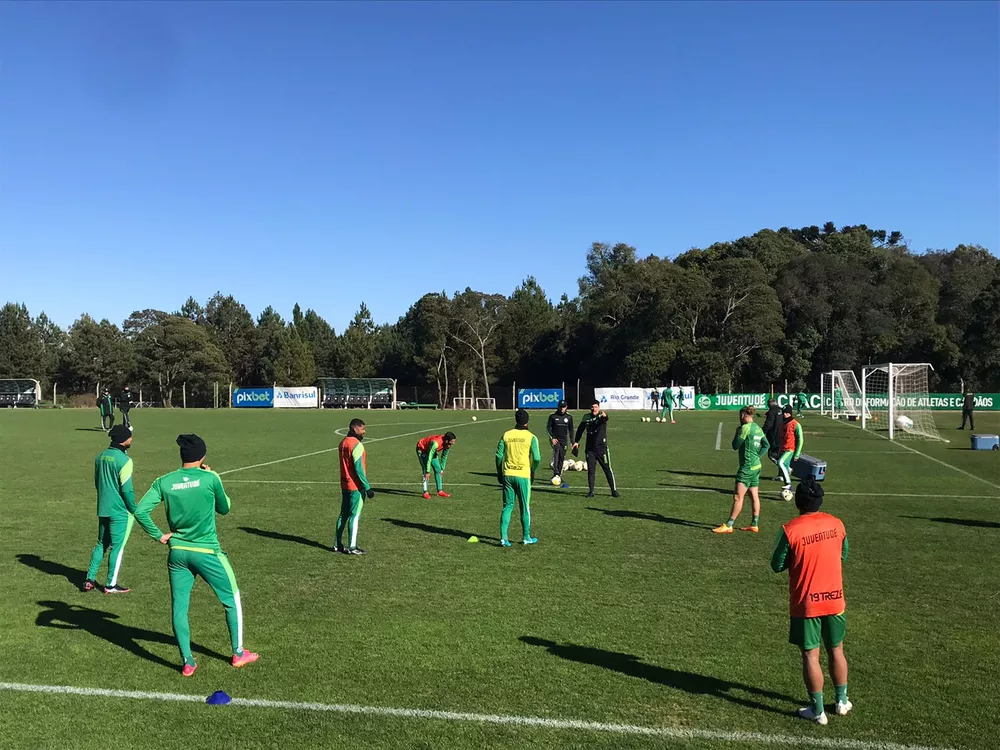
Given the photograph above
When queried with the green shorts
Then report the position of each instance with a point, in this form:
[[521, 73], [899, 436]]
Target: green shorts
[[811, 632], [749, 477]]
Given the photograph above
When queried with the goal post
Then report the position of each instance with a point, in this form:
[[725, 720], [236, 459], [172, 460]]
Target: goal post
[[841, 395], [474, 404], [897, 401], [486, 404], [465, 404]]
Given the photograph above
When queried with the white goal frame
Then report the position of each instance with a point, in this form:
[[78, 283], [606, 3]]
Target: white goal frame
[[463, 404], [486, 404], [893, 371], [851, 390]]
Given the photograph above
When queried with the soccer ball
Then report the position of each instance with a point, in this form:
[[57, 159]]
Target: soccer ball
[[556, 480], [567, 465], [657, 419], [904, 423], [787, 496], [581, 465]]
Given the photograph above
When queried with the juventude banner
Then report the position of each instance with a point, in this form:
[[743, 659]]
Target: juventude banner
[[814, 401]]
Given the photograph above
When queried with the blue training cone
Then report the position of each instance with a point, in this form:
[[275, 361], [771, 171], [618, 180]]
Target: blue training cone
[[218, 698]]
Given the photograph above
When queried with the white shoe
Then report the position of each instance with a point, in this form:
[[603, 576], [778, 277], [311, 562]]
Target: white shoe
[[806, 712], [844, 708]]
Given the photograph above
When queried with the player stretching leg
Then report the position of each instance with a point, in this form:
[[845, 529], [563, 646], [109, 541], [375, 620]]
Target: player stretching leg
[[432, 453], [193, 495], [517, 458], [750, 442], [813, 549], [791, 445]]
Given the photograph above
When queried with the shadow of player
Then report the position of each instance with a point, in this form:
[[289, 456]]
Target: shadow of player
[[281, 537], [73, 575], [659, 517], [689, 682], [103, 625], [430, 529], [698, 474], [960, 522]]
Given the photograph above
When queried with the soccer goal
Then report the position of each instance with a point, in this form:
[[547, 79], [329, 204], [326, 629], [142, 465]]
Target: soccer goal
[[463, 403], [486, 404], [897, 401], [474, 404], [841, 396]]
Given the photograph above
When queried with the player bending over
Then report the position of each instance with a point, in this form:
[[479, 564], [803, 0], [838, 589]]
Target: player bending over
[[750, 442], [193, 494], [596, 426], [790, 445], [432, 453], [813, 548], [517, 458]]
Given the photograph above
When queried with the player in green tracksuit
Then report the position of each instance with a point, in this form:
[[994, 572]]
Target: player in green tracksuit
[[517, 458], [192, 495], [115, 509], [751, 444], [790, 445], [671, 400], [800, 403], [107, 408]]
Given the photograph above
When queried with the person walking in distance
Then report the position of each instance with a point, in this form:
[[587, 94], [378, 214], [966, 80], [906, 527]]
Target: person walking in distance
[[595, 424], [968, 405], [813, 548], [107, 410], [125, 406]]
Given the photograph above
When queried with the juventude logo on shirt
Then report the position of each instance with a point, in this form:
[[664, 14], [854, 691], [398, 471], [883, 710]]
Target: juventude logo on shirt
[[186, 485]]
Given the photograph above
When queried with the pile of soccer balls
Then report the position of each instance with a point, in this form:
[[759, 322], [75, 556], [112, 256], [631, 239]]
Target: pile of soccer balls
[[568, 466], [647, 419]]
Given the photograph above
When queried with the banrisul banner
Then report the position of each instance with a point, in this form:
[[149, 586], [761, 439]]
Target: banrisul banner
[[253, 398], [296, 398], [814, 401], [539, 398], [683, 396], [634, 399]]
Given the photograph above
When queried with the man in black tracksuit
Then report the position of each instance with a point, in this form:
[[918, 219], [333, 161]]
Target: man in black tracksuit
[[107, 409], [772, 423], [967, 406], [560, 430], [596, 425], [124, 404]]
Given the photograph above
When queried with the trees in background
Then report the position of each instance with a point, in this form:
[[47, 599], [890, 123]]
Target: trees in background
[[742, 315]]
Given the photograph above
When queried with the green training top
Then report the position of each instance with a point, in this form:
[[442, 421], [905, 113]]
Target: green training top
[[751, 443], [192, 497], [113, 481]]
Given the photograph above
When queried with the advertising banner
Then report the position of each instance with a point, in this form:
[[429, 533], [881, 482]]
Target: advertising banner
[[253, 398], [685, 394], [296, 398], [877, 402], [539, 398], [634, 399]]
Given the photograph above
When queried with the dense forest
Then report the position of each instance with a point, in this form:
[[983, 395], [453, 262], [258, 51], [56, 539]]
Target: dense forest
[[773, 307]]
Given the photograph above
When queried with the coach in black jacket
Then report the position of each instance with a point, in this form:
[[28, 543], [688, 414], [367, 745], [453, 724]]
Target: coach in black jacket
[[772, 421], [560, 430]]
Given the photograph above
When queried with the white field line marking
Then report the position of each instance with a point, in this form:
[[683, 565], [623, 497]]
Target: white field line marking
[[759, 738], [370, 440], [665, 488], [935, 460], [718, 438]]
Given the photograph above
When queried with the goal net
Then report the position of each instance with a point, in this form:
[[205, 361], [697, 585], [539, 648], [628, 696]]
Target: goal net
[[897, 401], [463, 403], [486, 404], [842, 396]]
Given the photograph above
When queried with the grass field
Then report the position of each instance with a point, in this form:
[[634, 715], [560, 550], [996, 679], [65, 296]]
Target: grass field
[[628, 612]]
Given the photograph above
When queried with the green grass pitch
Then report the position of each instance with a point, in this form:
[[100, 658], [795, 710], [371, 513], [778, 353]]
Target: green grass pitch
[[627, 612]]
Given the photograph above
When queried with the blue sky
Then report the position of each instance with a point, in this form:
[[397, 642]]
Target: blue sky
[[328, 153]]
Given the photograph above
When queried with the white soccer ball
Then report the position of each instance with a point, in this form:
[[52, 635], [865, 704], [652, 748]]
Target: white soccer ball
[[904, 423], [581, 465], [567, 465], [556, 480], [787, 495], [474, 417], [657, 419]]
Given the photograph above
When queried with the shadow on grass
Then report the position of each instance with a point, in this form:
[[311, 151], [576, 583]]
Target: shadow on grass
[[698, 474], [689, 682], [415, 492], [280, 537], [643, 516], [959, 521], [427, 528], [89, 429], [73, 575], [103, 625], [699, 488]]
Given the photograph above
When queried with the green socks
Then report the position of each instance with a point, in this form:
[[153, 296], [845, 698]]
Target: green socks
[[816, 702], [730, 522], [754, 521], [841, 693]]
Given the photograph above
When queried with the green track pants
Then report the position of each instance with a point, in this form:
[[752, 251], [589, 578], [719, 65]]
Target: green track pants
[[186, 563], [516, 489], [668, 410], [351, 504], [435, 470], [112, 534]]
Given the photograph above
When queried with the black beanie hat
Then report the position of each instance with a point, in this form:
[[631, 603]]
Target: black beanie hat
[[119, 434], [192, 448], [521, 418], [809, 495]]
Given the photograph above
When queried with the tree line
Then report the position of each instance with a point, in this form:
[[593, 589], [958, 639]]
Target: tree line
[[773, 307]]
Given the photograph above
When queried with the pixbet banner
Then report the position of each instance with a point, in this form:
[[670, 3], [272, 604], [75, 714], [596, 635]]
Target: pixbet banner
[[253, 398], [296, 398], [814, 401], [539, 398], [635, 399]]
